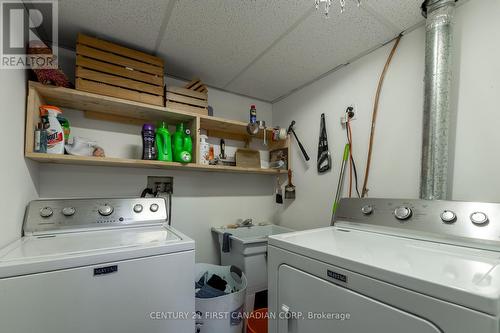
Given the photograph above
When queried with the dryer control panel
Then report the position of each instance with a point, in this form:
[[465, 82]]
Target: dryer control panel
[[65, 215], [476, 224]]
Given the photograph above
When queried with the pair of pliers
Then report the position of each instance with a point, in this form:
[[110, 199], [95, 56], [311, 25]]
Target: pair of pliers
[[324, 158]]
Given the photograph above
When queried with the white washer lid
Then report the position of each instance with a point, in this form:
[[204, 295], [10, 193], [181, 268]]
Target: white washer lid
[[35, 254], [464, 276]]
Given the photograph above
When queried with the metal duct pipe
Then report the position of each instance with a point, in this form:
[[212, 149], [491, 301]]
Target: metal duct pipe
[[434, 173]]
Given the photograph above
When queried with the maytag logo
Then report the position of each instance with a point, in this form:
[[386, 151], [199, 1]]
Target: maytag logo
[[105, 270], [337, 276]]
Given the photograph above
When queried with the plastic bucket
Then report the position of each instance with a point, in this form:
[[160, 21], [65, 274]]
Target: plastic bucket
[[257, 323]]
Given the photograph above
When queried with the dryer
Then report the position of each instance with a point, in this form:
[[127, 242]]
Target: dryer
[[97, 265], [390, 265]]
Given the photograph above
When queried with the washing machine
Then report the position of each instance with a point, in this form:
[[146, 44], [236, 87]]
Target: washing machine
[[97, 265], [390, 266]]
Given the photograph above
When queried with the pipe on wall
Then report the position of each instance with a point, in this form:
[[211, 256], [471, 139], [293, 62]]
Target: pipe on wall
[[434, 168]]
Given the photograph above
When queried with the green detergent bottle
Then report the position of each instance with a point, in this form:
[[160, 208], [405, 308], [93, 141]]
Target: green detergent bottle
[[188, 146], [163, 143], [182, 145]]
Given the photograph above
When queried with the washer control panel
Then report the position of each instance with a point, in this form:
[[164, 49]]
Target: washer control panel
[[467, 221], [50, 216]]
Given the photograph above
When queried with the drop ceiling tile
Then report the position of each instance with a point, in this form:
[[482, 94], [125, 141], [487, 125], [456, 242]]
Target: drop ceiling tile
[[403, 14], [313, 48], [216, 39], [128, 22]]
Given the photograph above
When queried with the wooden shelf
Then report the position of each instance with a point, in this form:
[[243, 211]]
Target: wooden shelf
[[124, 111], [130, 163], [84, 101]]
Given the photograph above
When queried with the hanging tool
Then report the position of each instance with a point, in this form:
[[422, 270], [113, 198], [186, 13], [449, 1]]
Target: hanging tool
[[222, 154], [290, 188], [279, 191], [324, 158], [262, 126], [341, 181], [291, 130]]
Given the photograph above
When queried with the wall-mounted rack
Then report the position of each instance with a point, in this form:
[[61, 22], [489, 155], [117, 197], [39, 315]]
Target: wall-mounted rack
[[124, 111]]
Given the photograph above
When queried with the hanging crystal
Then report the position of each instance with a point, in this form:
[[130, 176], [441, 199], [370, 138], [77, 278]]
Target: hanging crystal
[[328, 4]]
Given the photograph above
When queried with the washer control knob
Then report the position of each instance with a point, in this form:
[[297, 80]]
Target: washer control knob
[[138, 208], [479, 218], [154, 208], [106, 210], [46, 212], [367, 210], [68, 211], [403, 213], [448, 216]]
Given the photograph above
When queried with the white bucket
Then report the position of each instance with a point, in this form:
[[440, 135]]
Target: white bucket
[[223, 314]]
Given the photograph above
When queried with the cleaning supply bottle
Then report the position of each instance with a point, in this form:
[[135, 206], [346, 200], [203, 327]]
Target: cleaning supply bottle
[[253, 114], [187, 147], [55, 134], [65, 126], [180, 143], [163, 144], [148, 142], [40, 139], [204, 150]]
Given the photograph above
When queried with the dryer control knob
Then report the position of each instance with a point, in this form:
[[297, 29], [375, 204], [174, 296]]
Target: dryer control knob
[[403, 213], [367, 210], [68, 211], [154, 208], [448, 216], [46, 212], [138, 208], [479, 218], [106, 210]]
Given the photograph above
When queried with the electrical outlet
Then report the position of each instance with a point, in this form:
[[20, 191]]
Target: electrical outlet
[[161, 184], [350, 114]]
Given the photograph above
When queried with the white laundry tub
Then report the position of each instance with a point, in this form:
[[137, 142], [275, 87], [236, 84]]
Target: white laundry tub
[[248, 252]]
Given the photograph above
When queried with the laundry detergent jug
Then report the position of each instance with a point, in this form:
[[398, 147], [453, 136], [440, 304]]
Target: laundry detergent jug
[[163, 143]]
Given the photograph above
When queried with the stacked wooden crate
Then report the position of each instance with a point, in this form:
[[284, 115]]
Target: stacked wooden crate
[[192, 98], [196, 85], [109, 69]]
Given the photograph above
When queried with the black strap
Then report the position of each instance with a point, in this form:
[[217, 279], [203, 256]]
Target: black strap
[[324, 159]]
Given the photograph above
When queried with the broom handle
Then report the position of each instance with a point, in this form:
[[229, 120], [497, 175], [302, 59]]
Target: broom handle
[[341, 181], [301, 146]]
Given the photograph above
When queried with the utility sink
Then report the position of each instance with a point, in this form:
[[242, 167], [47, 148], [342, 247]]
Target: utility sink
[[253, 234], [248, 251]]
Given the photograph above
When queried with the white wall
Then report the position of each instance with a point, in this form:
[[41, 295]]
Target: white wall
[[201, 200], [18, 178], [477, 86], [396, 157]]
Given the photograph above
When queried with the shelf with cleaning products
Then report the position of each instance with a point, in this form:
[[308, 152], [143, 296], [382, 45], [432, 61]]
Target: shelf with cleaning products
[[104, 108]]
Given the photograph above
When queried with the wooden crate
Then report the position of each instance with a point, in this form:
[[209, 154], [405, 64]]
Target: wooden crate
[[109, 69], [183, 99]]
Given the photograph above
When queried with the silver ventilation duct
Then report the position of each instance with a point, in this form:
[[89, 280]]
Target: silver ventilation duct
[[434, 173]]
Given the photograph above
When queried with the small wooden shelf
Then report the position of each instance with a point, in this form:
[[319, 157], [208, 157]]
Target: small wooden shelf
[[130, 163], [124, 111]]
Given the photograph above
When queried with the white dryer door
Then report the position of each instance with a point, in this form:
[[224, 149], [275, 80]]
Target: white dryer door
[[312, 305]]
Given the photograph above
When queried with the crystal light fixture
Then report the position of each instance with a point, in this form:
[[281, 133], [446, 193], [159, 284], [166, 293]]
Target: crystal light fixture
[[329, 3]]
